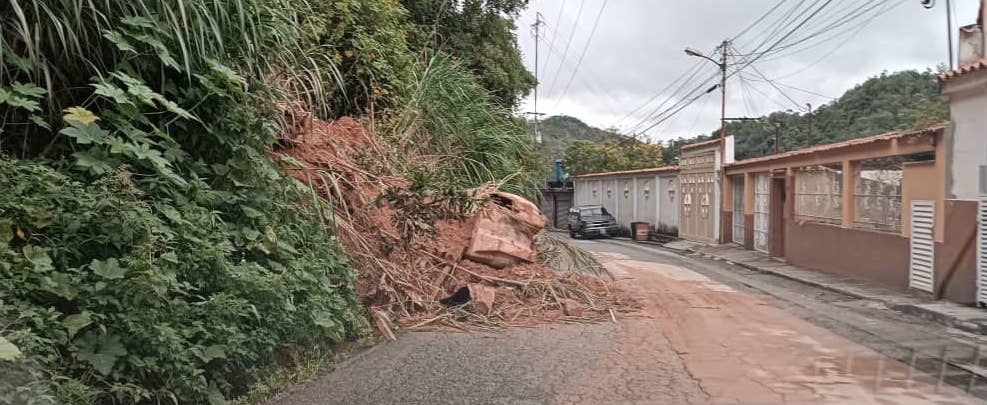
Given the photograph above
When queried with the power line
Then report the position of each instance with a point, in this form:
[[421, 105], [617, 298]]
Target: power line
[[568, 43], [583, 52], [596, 77], [555, 30]]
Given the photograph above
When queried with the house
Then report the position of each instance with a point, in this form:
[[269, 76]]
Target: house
[[907, 210]]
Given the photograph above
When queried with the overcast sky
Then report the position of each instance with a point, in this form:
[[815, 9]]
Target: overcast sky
[[637, 50]]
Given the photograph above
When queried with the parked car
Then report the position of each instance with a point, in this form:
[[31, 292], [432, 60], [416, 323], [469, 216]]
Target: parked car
[[591, 220]]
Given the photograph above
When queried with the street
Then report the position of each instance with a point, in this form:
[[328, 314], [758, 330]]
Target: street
[[709, 333]]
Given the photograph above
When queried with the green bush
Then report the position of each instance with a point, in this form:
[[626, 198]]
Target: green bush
[[122, 297], [150, 252]]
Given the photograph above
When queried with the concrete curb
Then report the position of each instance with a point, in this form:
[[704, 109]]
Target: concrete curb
[[910, 309], [787, 276]]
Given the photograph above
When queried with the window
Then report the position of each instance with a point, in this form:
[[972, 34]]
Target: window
[[819, 194], [592, 211], [877, 194]]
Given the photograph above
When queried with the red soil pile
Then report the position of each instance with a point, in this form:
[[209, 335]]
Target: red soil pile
[[404, 280]]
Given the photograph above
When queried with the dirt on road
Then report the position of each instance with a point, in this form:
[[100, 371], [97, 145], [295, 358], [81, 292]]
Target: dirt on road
[[739, 348], [697, 340]]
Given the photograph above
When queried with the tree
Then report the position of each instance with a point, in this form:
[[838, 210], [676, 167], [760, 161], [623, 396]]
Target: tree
[[584, 157], [481, 33], [888, 102]]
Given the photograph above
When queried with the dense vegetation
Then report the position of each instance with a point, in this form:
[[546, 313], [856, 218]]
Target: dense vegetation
[[150, 252], [887, 102]]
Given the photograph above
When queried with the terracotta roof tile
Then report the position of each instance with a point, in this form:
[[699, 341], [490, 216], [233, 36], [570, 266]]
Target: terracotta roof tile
[[840, 145], [962, 70], [663, 169]]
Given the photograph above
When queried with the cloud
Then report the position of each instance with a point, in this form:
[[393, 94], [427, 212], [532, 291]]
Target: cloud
[[638, 49]]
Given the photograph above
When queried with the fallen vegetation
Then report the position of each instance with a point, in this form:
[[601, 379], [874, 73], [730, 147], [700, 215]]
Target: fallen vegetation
[[408, 241]]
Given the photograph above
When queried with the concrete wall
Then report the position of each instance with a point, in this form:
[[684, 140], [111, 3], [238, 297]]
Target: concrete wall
[[865, 255], [668, 206], [968, 143], [651, 198]]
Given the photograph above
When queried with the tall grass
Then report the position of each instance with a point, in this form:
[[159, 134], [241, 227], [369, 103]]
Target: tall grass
[[62, 45], [452, 120]]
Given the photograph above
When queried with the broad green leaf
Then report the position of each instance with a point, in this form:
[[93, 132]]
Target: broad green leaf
[[28, 90], [170, 213], [6, 231], [170, 257], [324, 319], [138, 89], [86, 134], [40, 121], [212, 352], [120, 41], [9, 352], [109, 269], [61, 284], [74, 323], [227, 74], [11, 58], [79, 115], [14, 100], [39, 258], [139, 22], [100, 351], [92, 163], [4, 95], [112, 92]]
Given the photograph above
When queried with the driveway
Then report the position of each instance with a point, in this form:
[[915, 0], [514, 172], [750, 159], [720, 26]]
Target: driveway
[[701, 338]]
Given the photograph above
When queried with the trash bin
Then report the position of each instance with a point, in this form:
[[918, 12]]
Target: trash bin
[[640, 230]]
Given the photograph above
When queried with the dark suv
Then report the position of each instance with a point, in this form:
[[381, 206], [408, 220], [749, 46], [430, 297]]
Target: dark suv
[[591, 220]]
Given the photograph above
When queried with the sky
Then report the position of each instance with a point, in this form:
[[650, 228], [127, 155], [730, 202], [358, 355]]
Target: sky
[[637, 50]]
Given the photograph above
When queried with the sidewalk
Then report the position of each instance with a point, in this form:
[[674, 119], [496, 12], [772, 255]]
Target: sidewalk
[[965, 318]]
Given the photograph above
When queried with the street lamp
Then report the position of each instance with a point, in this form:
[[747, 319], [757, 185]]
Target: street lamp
[[698, 54], [722, 64]]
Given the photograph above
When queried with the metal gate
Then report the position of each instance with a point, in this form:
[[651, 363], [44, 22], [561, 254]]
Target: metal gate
[[922, 252], [738, 210], [697, 180], [762, 202], [982, 251]]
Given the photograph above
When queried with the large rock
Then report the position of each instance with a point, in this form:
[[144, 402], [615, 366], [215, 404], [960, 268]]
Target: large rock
[[504, 231]]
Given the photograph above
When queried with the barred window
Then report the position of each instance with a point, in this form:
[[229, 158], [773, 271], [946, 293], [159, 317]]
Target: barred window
[[819, 194], [877, 195]]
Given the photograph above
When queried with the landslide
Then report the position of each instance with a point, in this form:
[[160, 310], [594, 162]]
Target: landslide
[[407, 242]]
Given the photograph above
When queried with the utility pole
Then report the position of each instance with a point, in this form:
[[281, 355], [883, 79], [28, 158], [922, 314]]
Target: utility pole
[[809, 114], [723, 103], [949, 27], [539, 22]]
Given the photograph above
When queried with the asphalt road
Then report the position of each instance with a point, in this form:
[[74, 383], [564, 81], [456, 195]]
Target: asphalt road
[[710, 333]]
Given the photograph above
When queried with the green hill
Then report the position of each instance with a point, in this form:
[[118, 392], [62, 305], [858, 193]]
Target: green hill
[[561, 131], [887, 102]]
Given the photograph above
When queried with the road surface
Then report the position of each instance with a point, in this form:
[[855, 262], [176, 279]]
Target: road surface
[[709, 333]]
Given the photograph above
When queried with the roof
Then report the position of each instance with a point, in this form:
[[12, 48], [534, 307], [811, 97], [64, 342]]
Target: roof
[[663, 169], [701, 144], [962, 70], [840, 145]]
